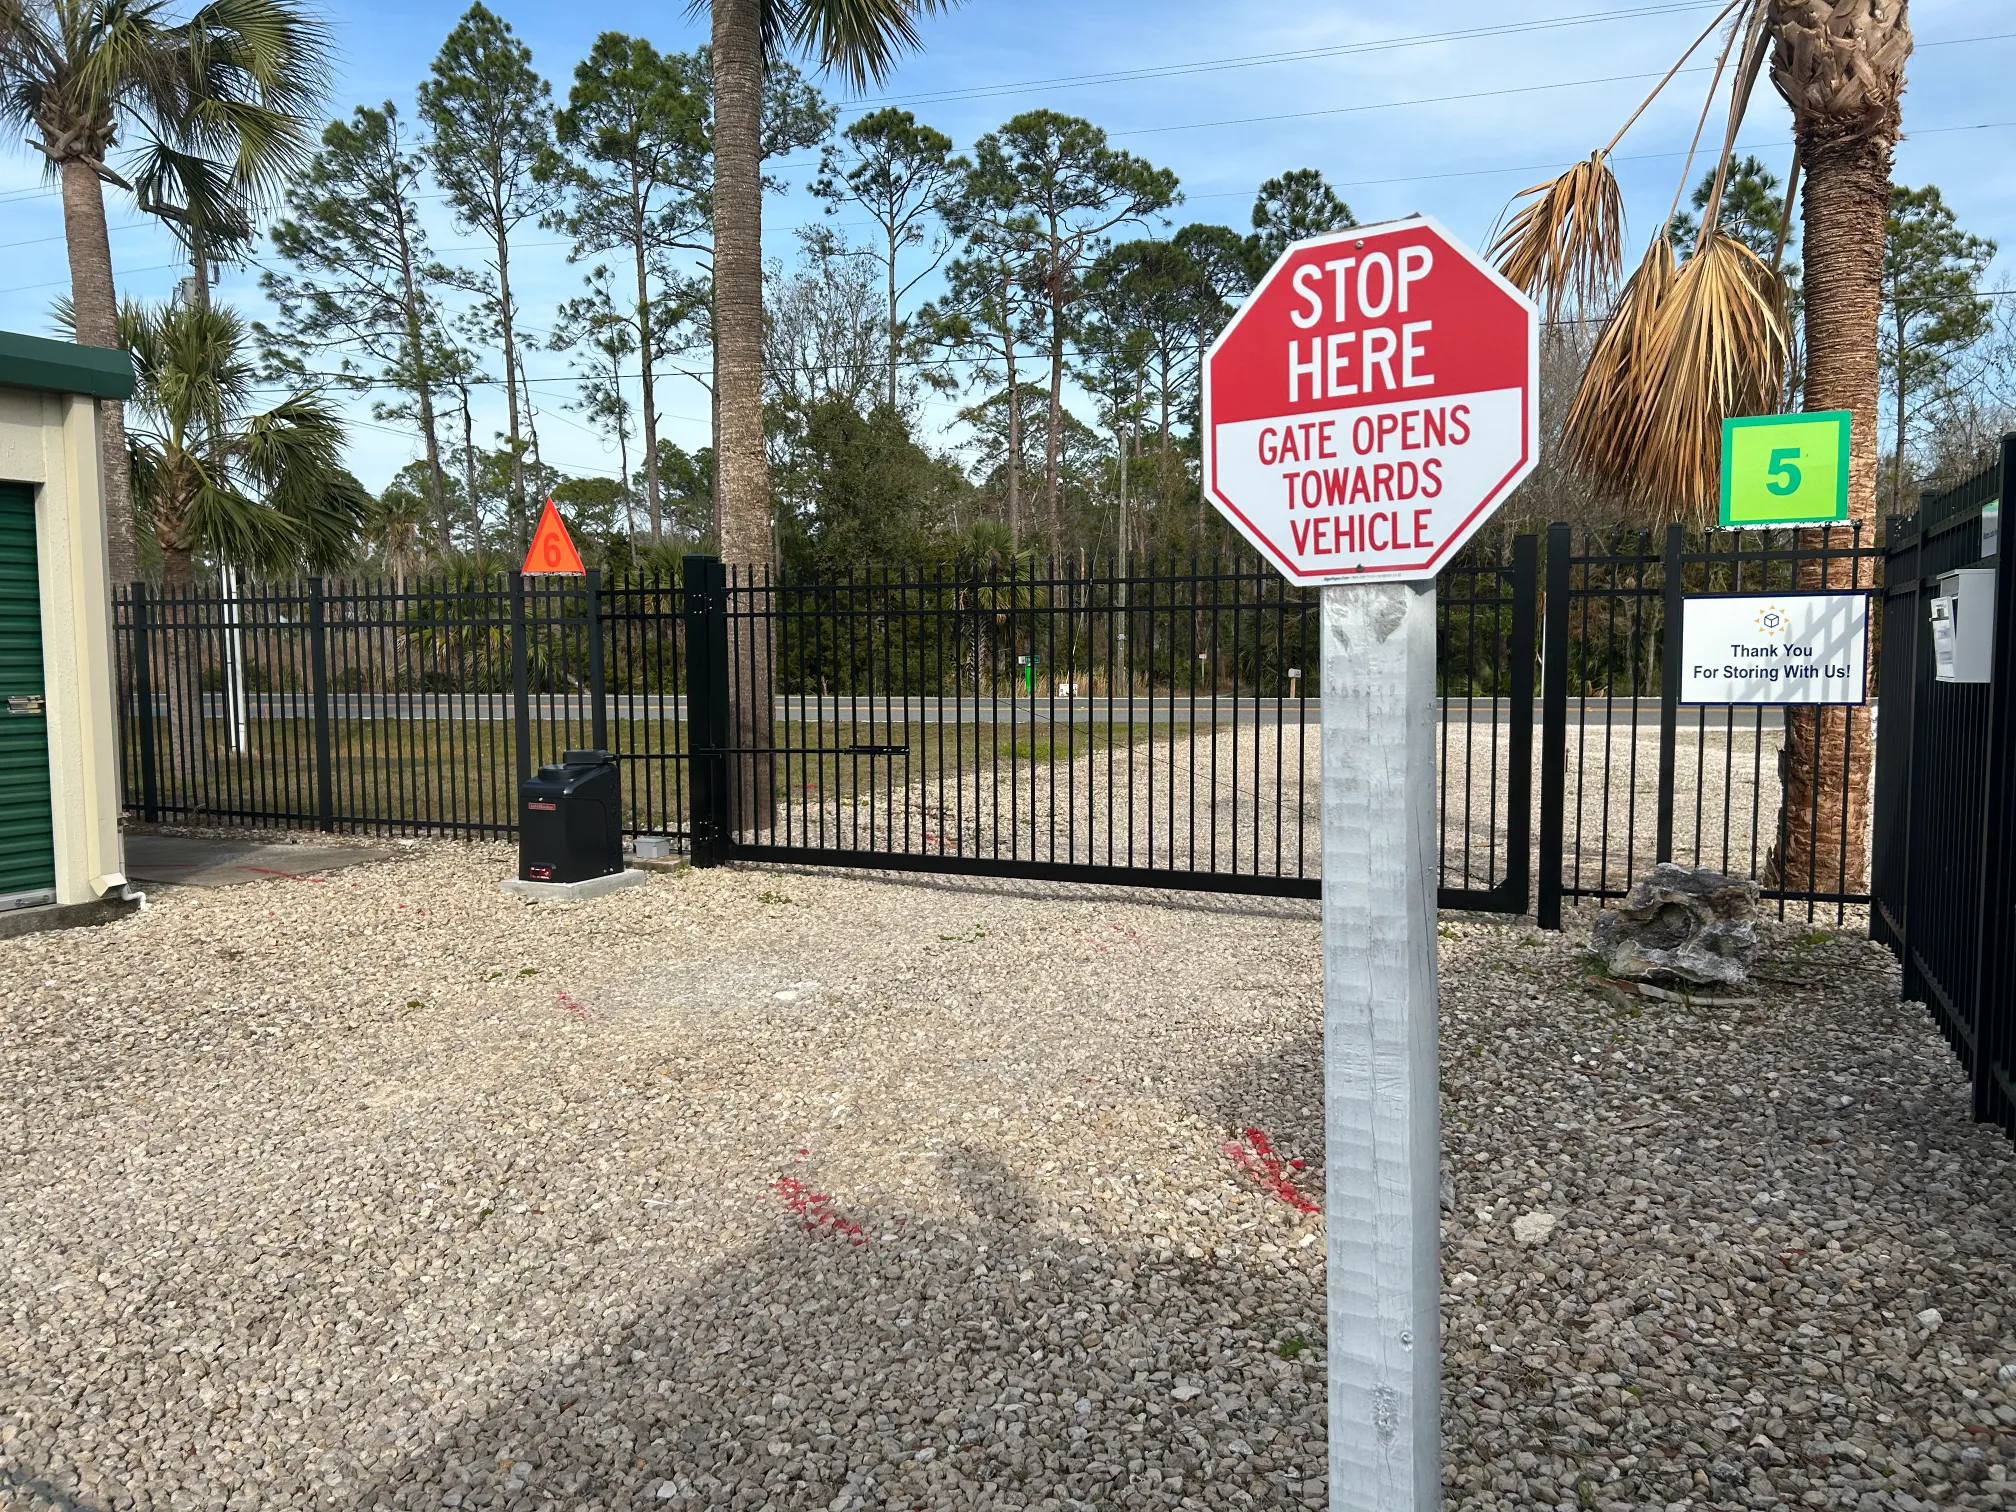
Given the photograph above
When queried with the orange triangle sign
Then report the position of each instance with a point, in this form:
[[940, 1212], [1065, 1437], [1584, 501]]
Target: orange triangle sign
[[552, 551]]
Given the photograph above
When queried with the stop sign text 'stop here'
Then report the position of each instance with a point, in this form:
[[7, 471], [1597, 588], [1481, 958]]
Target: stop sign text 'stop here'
[[1372, 403]]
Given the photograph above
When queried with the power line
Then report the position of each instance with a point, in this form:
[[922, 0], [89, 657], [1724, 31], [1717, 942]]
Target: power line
[[1291, 55], [1475, 94]]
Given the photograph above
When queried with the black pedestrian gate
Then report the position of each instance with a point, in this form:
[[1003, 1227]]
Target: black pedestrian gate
[[1945, 836], [1629, 776]]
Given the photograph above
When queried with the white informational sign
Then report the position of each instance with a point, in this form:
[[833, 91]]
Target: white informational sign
[[1775, 648], [1372, 404]]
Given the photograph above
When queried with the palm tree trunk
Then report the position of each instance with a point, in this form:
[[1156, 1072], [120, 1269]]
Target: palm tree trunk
[[96, 307], [739, 459], [1823, 823], [1897, 466]]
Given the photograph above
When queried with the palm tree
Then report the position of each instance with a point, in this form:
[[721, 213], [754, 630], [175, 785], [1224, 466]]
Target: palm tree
[[232, 84], [1686, 347], [264, 490], [860, 39], [1839, 64]]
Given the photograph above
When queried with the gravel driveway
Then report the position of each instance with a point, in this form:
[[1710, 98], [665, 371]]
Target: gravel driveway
[[778, 1189]]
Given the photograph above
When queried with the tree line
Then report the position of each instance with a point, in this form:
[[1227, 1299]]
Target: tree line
[[1036, 288]]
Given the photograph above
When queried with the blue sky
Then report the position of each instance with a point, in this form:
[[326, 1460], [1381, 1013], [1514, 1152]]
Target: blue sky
[[1451, 127]]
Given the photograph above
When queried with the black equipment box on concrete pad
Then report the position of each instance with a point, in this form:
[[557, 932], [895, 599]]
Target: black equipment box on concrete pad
[[570, 820]]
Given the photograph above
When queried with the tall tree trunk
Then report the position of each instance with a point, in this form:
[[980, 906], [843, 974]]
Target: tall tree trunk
[[1014, 451], [739, 458], [96, 307], [892, 318], [623, 456], [1823, 821], [432, 443], [1163, 389], [531, 422], [653, 505], [511, 375], [1053, 441], [423, 388], [1897, 467], [469, 477]]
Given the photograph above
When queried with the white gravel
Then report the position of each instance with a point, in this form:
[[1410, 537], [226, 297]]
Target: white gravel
[[783, 1189]]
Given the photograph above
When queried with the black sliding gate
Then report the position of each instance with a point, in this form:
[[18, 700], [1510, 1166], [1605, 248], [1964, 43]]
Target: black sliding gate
[[1154, 727]]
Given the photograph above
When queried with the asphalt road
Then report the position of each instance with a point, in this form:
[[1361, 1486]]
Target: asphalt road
[[1162, 709]]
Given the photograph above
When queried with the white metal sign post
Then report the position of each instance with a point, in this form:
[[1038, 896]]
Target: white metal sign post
[[1366, 411]]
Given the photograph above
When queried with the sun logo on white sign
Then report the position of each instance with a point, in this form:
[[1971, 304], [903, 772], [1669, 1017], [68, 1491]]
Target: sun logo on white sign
[[1771, 620]]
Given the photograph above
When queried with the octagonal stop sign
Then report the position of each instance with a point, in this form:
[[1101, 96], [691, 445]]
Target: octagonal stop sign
[[1372, 403]]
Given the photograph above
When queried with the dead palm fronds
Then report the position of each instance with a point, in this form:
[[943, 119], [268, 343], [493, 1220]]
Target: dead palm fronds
[[1600, 432], [1566, 245], [1716, 348], [1685, 346]]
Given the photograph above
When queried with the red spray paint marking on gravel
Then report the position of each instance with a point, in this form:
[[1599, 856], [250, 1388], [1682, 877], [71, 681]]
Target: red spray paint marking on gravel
[[569, 1005], [815, 1210], [1255, 1156]]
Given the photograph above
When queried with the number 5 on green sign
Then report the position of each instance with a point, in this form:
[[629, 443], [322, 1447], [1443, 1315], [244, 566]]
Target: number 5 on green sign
[[1785, 469]]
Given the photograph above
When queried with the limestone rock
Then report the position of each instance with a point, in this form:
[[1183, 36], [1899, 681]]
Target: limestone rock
[[1694, 925]]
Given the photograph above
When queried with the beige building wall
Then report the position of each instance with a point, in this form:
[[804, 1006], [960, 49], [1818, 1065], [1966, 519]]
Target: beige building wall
[[51, 441]]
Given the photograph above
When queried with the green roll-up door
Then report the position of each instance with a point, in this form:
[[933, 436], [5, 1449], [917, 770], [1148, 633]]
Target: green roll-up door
[[27, 838]]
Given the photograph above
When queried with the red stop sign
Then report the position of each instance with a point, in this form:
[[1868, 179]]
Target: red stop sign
[[1372, 403]]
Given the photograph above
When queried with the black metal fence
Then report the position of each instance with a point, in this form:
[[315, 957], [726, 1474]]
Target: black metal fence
[[1945, 824], [409, 708], [1154, 722]]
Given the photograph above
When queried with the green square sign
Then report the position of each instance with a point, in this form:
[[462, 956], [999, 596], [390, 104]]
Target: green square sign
[[1785, 469]]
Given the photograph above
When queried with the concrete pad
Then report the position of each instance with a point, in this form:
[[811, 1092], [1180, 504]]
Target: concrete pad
[[572, 892], [187, 861], [15, 922]]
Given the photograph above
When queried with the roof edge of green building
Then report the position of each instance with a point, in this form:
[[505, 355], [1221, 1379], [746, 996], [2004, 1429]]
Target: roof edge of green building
[[63, 367]]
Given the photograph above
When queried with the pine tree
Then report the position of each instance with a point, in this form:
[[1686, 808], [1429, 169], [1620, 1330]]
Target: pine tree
[[491, 118], [365, 291]]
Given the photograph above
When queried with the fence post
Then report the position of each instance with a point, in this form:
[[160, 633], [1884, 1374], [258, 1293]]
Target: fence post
[[598, 684], [1553, 725], [1674, 588], [1910, 738], [521, 705], [143, 708], [1519, 779], [318, 664], [707, 721]]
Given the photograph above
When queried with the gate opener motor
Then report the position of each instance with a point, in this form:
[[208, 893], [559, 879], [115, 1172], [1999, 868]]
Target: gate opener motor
[[1963, 625], [570, 822]]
